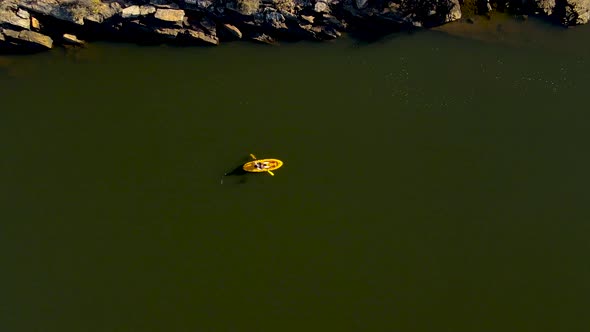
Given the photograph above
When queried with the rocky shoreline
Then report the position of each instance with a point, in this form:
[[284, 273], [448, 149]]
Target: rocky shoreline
[[37, 25]]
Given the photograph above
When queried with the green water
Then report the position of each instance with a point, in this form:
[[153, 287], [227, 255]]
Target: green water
[[431, 183]]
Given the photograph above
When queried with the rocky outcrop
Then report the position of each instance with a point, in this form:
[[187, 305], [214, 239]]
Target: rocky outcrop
[[37, 23]]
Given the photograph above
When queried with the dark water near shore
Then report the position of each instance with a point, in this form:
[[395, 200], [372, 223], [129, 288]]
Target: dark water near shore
[[431, 183]]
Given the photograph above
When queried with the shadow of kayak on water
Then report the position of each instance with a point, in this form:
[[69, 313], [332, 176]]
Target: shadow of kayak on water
[[238, 172]]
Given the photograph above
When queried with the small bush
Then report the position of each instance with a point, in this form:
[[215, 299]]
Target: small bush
[[284, 5], [78, 9]]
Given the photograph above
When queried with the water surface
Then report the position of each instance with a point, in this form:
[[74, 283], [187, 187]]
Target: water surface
[[432, 182]]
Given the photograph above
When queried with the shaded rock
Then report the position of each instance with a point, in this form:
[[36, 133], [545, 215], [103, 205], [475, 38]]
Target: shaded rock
[[274, 19], [170, 15], [28, 38], [233, 30], [333, 22], [209, 25], [330, 33], [136, 26], [308, 19], [167, 33], [204, 3], [202, 36], [360, 4], [264, 39], [427, 13]]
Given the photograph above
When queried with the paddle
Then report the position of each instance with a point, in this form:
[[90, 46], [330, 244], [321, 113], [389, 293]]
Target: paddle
[[254, 157]]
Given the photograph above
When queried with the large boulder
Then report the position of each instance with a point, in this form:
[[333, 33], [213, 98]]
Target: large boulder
[[19, 19], [169, 15]]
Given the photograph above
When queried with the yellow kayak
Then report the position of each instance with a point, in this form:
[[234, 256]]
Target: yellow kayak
[[262, 165]]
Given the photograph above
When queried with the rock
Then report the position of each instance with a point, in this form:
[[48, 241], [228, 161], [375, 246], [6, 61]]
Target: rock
[[309, 19], [209, 25], [104, 12], [264, 39], [72, 39], [35, 23], [233, 30], [360, 4], [130, 12], [330, 33], [23, 14], [167, 32], [321, 7], [275, 19], [455, 12], [29, 38], [333, 21], [10, 19], [577, 12], [547, 6], [202, 36], [146, 10], [204, 3], [170, 15]]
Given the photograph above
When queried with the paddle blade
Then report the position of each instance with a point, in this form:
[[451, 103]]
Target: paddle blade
[[271, 173], [252, 156]]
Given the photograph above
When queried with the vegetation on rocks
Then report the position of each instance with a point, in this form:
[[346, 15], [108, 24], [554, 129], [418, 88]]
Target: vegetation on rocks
[[248, 7], [78, 9]]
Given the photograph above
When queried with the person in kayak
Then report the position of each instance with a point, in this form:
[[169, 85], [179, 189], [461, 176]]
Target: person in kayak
[[260, 165]]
